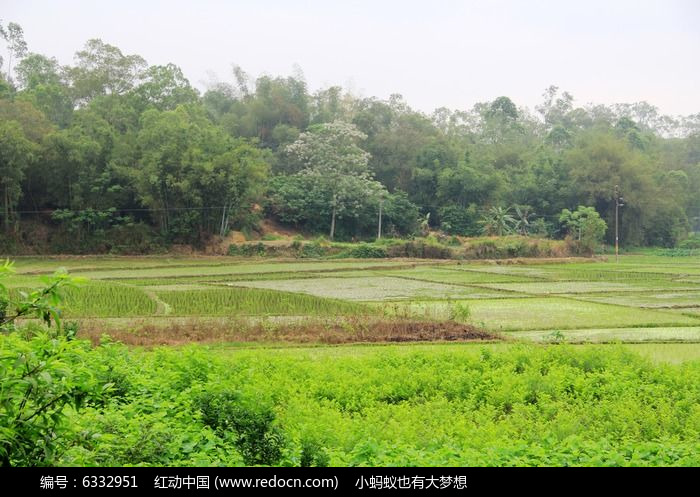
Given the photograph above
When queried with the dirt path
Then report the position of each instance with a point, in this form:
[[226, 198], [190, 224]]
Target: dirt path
[[162, 308]]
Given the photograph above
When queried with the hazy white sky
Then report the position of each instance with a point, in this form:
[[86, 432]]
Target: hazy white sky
[[434, 52]]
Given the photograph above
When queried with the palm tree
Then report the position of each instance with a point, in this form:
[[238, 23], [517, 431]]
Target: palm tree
[[497, 221]]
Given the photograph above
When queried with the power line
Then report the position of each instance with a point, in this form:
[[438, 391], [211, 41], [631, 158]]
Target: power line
[[51, 211]]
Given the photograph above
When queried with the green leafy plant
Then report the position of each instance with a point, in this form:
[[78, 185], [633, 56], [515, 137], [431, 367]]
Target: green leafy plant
[[43, 371], [459, 311], [42, 303], [259, 440]]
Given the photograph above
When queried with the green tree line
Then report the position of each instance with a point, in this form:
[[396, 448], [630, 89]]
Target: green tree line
[[111, 151]]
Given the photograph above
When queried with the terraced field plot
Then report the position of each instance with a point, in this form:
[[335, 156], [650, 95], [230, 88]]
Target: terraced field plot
[[449, 274], [253, 301], [372, 288], [554, 313], [660, 299], [688, 311], [234, 268], [576, 287], [639, 299], [610, 335]]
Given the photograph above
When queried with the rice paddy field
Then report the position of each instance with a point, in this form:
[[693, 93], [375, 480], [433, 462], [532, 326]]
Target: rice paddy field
[[346, 362], [639, 299]]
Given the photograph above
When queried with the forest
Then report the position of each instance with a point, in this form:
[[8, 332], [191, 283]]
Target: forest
[[111, 153]]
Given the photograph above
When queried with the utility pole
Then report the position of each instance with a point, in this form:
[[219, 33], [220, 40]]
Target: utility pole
[[619, 202], [379, 227]]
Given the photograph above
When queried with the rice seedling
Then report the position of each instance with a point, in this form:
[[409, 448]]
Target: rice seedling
[[175, 271], [661, 334], [560, 313], [98, 299], [655, 299], [253, 301], [567, 287], [450, 275], [371, 289]]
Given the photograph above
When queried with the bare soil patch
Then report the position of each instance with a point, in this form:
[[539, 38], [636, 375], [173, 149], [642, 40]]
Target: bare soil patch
[[339, 331]]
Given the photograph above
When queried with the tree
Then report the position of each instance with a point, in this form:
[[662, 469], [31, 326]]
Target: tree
[[498, 221], [102, 69], [16, 45], [165, 87], [333, 159], [599, 161], [237, 177], [41, 82], [400, 214], [16, 152], [458, 220], [190, 171], [523, 216], [585, 225]]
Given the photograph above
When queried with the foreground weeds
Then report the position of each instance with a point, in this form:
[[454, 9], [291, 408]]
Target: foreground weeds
[[437, 405]]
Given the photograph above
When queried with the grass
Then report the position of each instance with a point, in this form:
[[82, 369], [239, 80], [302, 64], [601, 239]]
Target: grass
[[673, 353], [243, 332]]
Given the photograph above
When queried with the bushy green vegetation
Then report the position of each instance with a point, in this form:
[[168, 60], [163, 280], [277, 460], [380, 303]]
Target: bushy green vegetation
[[417, 248], [692, 243], [437, 405]]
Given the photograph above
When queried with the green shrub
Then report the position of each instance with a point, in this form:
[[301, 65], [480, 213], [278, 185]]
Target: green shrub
[[258, 439], [41, 377], [247, 249], [459, 311], [365, 251], [420, 249], [458, 220], [692, 243], [314, 250], [42, 370], [312, 454], [514, 246], [675, 252]]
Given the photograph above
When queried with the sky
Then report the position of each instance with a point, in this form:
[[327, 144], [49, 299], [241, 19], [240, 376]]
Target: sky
[[436, 53]]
